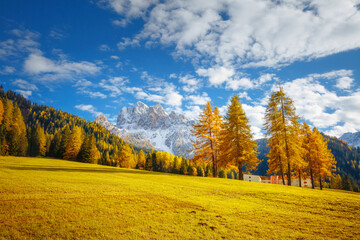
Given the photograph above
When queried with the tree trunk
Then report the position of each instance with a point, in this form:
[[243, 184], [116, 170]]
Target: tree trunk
[[282, 171], [289, 174], [320, 183], [312, 178], [299, 178], [241, 175]]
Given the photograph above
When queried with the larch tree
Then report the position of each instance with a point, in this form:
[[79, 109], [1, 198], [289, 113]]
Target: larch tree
[[17, 134], [141, 160], [206, 132], [74, 144], [237, 146], [281, 124], [125, 158], [302, 167], [322, 160], [1, 111], [272, 126]]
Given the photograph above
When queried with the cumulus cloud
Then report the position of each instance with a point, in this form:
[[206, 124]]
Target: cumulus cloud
[[247, 33], [88, 108], [344, 82], [129, 8], [240, 83], [217, 75], [325, 109], [47, 69], [199, 99]]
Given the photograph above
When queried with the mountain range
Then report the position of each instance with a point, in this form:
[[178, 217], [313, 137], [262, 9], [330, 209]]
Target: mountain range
[[152, 128], [353, 139]]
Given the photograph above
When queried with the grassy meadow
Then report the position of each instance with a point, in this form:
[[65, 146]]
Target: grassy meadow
[[55, 199]]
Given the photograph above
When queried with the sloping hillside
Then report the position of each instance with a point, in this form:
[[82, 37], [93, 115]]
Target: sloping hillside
[[46, 198]]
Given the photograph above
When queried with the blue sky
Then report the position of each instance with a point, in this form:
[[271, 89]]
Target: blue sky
[[97, 56]]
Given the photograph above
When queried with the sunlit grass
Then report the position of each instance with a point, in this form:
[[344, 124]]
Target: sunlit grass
[[47, 198]]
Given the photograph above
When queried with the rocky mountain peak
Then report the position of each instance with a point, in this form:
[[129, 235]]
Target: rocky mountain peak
[[152, 126], [158, 110], [100, 118], [140, 108]]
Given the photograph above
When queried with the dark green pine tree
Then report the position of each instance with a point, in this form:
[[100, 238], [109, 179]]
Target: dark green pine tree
[[85, 151], [148, 161], [54, 150], [155, 166], [346, 183], [37, 142]]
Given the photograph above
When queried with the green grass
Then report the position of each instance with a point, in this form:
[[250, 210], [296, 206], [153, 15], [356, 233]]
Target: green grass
[[55, 199]]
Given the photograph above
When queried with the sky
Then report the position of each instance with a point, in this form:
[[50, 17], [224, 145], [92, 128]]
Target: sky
[[88, 57]]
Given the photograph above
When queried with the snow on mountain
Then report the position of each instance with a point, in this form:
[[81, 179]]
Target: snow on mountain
[[353, 139], [142, 125]]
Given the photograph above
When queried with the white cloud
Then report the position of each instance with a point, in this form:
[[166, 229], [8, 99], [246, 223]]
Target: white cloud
[[244, 95], [104, 48], [20, 83], [120, 23], [25, 93], [247, 33], [129, 8], [192, 112], [332, 113], [344, 82], [7, 70], [56, 34], [191, 84], [113, 85], [115, 57], [92, 94], [264, 78], [88, 108], [128, 42], [50, 70], [199, 99], [241, 83], [343, 77], [25, 41], [217, 75]]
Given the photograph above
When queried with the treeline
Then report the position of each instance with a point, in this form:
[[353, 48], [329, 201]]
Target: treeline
[[345, 177], [295, 151], [347, 166], [28, 129]]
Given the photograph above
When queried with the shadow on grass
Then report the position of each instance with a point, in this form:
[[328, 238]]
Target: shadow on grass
[[77, 169]]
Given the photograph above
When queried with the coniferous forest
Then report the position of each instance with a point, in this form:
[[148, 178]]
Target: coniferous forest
[[29, 129]]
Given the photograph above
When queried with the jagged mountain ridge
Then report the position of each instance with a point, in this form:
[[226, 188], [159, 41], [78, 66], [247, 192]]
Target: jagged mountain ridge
[[152, 127], [353, 139]]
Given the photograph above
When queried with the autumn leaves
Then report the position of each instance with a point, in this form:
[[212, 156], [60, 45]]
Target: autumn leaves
[[295, 149]]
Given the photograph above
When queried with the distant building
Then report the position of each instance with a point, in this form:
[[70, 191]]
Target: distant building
[[295, 182], [265, 179], [276, 180], [252, 178]]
